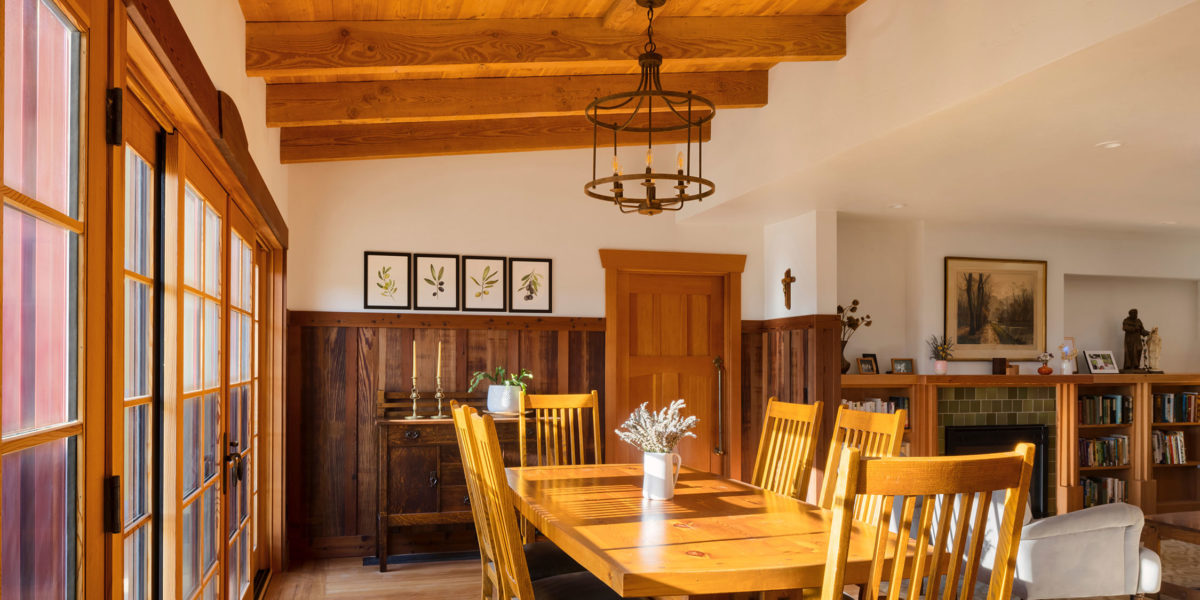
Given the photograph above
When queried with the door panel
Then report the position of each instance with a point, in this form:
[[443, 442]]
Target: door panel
[[673, 326]]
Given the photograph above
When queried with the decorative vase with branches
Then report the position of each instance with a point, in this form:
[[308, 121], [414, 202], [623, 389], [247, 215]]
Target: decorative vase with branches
[[850, 324], [941, 350], [657, 434]]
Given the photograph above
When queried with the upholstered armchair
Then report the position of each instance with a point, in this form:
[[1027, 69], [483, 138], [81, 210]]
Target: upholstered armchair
[[1091, 552]]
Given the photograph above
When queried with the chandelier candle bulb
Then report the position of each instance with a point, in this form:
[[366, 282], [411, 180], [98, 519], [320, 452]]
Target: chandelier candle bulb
[[649, 157], [616, 165], [679, 161]]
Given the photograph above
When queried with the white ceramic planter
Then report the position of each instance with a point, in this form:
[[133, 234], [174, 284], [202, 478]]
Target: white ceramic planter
[[660, 472], [940, 367], [503, 398]]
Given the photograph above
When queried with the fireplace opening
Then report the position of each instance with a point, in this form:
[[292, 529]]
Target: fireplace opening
[[985, 439]]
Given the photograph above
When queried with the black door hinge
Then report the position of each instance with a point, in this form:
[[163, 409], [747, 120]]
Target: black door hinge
[[112, 504], [112, 131]]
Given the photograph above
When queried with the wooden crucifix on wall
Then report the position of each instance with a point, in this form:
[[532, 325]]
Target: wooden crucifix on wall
[[787, 282]]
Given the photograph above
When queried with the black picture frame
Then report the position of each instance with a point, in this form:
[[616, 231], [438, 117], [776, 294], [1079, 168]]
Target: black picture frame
[[519, 304], [406, 280], [418, 280], [464, 286]]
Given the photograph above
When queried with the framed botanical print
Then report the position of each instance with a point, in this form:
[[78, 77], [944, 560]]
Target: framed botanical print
[[531, 285], [435, 281], [484, 283], [995, 308], [385, 279]]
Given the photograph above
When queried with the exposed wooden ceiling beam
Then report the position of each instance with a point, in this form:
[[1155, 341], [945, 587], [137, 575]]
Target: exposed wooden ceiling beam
[[506, 46], [309, 104], [437, 138]]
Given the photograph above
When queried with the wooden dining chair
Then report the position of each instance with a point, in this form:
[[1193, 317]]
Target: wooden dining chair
[[874, 435], [562, 424], [543, 559], [954, 495], [787, 447], [513, 581]]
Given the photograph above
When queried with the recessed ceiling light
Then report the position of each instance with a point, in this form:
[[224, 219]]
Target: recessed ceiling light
[[1169, 223], [1109, 145], [897, 206]]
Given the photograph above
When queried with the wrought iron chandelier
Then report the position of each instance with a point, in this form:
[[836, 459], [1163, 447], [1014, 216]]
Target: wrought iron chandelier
[[633, 113]]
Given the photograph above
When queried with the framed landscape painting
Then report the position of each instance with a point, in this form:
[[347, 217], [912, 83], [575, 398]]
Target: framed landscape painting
[[995, 308], [532, 285], [435, 281], [385, 279], [483, 282]]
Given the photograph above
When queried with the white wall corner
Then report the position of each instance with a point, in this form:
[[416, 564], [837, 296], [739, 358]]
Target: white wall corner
[[807, 245]]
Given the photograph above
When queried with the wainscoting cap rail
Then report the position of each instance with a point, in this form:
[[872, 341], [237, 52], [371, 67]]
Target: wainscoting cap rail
[[300, 318]]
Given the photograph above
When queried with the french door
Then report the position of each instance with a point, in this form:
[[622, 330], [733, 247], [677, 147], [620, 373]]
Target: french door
[[189, 381]]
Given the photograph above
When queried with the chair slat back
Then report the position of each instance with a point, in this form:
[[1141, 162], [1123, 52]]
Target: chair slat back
[[508, 554], [941, 558], [874, 434], [787, 447], [466, 448], [562, 424]]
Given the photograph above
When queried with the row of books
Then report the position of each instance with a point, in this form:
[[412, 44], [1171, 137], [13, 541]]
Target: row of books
[[878, 405], [1183, 407], [1108, 451], [1106, 409], [1103, 490], [1169, 447]]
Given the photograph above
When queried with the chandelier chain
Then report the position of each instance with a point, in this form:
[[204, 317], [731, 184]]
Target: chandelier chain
[[650, 47]]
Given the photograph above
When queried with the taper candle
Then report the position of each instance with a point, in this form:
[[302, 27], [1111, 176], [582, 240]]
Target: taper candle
[[414, 373], [439, 365]]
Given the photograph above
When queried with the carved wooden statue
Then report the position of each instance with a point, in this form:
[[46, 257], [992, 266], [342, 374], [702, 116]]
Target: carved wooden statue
[[787, 282], [1134, 332]]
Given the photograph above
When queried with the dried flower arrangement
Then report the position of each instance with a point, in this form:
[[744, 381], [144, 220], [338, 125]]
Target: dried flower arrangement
[[940, 348], [850, 322], [1045, 357], [657, 432]]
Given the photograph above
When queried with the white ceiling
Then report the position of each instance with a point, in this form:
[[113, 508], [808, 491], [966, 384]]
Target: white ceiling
[[1023, 150]]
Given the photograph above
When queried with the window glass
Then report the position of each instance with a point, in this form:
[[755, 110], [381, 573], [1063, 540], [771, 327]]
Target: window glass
[[137, 465], [137, 564], [39, 521], [40, 324], [137, 338], [41, 105]]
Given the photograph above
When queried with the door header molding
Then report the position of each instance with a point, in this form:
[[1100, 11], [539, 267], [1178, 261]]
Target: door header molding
[[650, 261]]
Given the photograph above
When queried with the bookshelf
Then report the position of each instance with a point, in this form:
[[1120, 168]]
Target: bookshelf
[[1156, 488], [1174, 443], [1105, 415]]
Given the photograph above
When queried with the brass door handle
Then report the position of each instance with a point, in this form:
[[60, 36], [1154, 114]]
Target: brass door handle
[[719, 365]]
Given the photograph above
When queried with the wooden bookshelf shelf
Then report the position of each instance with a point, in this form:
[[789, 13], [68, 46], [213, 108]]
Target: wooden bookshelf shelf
[[1173, 425], [1094, 427], [1096, 469], [1191, 463]]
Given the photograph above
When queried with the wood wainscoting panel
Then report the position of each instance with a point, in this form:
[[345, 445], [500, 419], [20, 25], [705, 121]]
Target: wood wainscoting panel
[[340, 360]]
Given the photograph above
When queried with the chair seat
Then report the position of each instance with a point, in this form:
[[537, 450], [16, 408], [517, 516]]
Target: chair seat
[[547, 560], [574, 586]]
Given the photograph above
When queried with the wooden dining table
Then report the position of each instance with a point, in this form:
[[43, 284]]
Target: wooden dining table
[[717, 536]]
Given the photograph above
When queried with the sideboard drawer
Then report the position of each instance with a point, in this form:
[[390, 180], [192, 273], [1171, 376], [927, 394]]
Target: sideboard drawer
[[421, 435]]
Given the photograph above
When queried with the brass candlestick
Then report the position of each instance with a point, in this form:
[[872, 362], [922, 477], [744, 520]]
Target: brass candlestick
[[415, 395], [440, 396]]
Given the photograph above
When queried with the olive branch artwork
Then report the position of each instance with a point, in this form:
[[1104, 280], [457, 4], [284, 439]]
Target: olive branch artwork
[[531, 283], [386, 283], [435, 279], [486, 281]]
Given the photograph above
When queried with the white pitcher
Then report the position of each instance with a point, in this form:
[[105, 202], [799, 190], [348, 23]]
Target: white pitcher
[[660, 471]]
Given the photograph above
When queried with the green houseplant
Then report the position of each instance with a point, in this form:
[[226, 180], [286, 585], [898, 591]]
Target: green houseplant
[[504, 393]]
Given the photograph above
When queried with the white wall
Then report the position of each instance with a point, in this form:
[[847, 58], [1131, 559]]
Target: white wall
[[1095, 306], [807, 245], [522, 204], [1067, 252], [217, 29], [875, 267]]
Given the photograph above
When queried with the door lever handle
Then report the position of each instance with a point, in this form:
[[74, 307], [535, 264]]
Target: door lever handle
[[719, 365]]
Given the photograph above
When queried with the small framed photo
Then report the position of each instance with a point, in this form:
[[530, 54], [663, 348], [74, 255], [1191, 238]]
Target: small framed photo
[[868, 366], [872, 356], [385, 279], [903, 366], [435, 281], [531, 285], [483, 283], [1101, 361]]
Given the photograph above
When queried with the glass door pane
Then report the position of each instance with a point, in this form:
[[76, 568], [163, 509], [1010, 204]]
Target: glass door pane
[[240, 423]]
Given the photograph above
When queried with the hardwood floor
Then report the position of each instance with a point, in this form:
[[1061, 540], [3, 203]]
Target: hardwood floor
[[348, 578]]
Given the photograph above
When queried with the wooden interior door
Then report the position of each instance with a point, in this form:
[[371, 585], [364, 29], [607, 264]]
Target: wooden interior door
[[672, 332]]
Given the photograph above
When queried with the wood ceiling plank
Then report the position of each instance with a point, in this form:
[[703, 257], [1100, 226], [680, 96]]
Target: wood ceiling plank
[[476, 46], [310, 104], [377, 10], [629, 68], [439, 138]]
